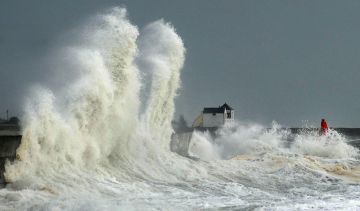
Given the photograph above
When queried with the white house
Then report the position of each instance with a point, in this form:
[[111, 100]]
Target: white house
[[214, 117]]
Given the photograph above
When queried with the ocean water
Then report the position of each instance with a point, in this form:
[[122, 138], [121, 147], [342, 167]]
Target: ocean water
[[100, 141]]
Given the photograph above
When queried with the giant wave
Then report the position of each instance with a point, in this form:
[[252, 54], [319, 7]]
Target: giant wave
[[101, 140]]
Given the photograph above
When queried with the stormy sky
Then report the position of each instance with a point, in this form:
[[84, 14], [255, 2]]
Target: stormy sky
[[289, 61]]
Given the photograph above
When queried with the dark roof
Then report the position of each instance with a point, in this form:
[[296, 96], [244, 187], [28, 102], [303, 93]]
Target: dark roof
[[219, 109], [213, 110], [227, 107]]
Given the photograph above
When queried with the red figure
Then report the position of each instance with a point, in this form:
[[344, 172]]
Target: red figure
[[324, 128]]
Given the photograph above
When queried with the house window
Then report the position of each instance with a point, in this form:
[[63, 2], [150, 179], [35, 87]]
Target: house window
[[229, 115]]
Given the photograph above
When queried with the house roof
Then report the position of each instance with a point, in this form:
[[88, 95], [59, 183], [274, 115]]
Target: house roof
[[213, 110], [227, 106], [220, 109]]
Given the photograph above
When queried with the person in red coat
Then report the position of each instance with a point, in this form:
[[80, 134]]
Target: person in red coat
[[324, 128]]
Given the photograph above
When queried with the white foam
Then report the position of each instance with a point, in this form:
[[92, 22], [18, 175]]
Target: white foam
[[94, 122], [332, 145]]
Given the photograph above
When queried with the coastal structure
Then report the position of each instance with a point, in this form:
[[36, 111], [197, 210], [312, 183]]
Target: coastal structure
[[214, 117], [209, 120], [10, 139]]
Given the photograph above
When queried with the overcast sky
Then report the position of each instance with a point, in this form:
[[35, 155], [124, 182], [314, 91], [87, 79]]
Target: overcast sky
[[287, 61]]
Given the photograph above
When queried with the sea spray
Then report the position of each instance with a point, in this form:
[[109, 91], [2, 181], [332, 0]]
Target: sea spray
[[161, 57], [331, 145], [98, 111], [161, 53], [254, 139], [94, 122], [238, 139]]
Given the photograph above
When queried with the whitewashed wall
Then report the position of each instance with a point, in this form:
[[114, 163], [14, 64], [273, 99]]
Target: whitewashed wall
[[210, 120], [231, 119]]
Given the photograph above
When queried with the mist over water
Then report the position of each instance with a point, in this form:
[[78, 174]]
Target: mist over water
[[101, 141]]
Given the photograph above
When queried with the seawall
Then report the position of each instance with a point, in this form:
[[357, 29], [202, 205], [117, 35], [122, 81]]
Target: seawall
[[10, 139]]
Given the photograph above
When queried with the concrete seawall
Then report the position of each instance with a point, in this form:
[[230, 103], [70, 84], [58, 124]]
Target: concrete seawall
[[10, 139]]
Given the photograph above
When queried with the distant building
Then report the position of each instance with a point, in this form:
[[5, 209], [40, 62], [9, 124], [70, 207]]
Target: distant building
[[214, 117]]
